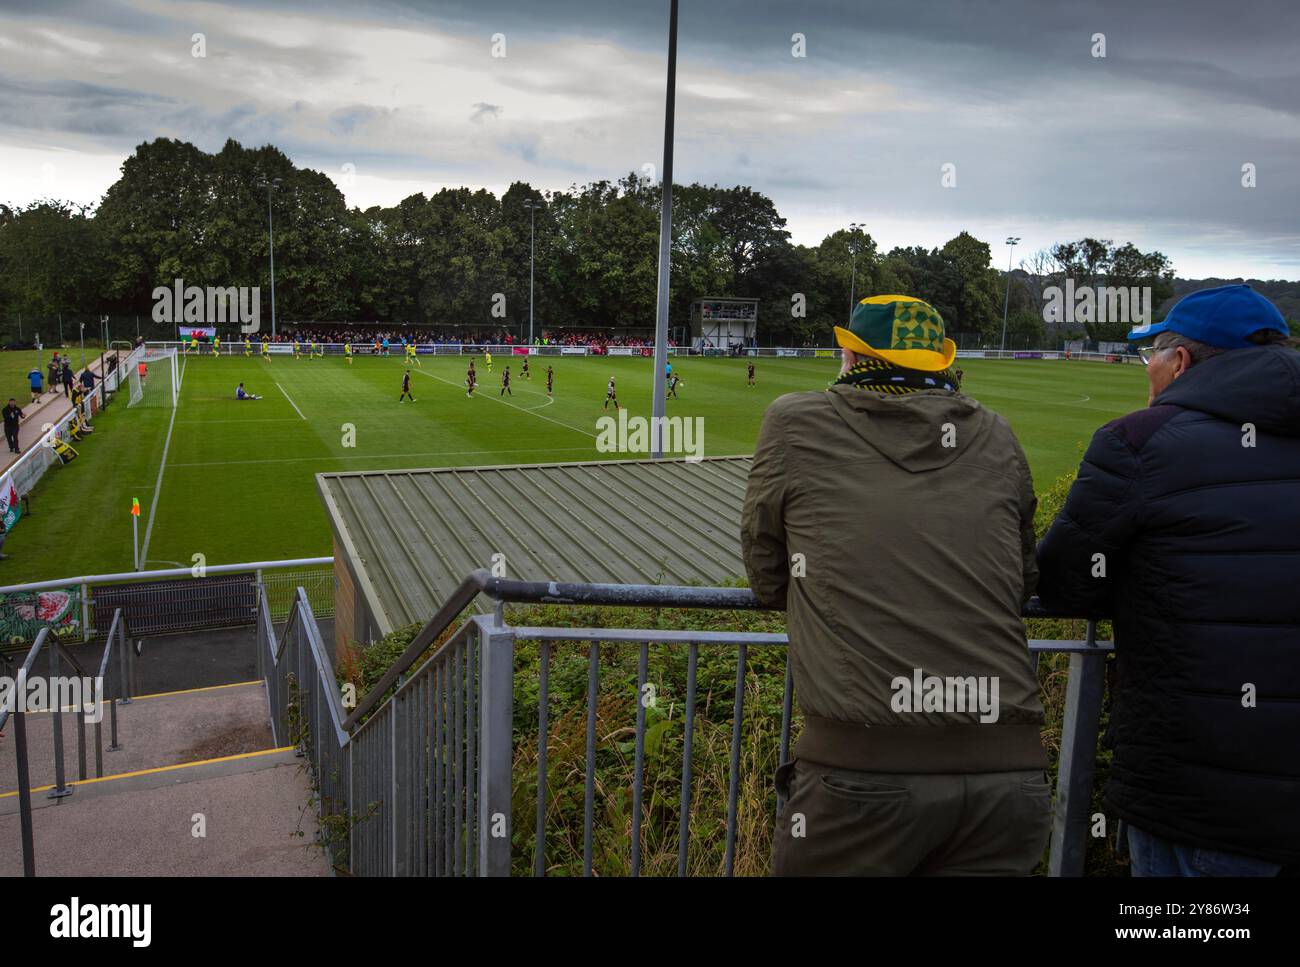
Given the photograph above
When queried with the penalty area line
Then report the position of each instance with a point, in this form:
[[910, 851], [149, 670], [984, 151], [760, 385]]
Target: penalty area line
[[521, 409], [291, 402]]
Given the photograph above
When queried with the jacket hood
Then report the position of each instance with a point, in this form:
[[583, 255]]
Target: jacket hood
[[912, 430], [1260, 385]]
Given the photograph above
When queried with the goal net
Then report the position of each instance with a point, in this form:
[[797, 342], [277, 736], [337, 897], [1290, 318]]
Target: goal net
[[153, 377]]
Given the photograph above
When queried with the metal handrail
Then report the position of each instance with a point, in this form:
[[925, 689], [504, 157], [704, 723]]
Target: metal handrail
[[477, 582], [170, 572], [59, 652], [432, 746], [482, 581]]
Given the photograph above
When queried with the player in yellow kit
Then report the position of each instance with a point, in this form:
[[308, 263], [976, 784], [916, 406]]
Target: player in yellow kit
[[193, 344], [216, 345], [266, 349], [487, 360], [411, 357], [248, 347], [316, 350], [347, 351], [297, 350]]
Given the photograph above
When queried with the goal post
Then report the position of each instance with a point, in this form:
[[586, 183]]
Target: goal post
[[153, 376]]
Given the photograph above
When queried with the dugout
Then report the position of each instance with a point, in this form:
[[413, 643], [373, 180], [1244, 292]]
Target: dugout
[[723, 323], [405, 539]]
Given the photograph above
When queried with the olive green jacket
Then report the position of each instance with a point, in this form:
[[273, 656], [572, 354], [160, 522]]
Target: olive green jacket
[[897, 532]]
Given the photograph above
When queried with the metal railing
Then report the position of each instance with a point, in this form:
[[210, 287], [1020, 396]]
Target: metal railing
[[121, 690], [211, 595], [418, 778]]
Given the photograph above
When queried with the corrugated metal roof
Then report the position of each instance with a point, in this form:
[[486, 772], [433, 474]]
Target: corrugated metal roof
[[413, 535]]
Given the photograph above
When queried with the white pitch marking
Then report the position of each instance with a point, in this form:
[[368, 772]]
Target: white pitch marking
[[157, 487], [382, 456], [291, 402], [521, 409]]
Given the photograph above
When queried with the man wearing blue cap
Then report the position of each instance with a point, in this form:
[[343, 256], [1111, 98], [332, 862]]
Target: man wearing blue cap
[[1184, 527]]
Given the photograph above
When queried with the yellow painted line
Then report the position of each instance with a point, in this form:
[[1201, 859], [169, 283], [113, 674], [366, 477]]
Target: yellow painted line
[[183, 691], [149, 772], [191, 691]]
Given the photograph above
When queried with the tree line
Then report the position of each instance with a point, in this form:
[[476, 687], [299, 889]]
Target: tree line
[[179, 212]]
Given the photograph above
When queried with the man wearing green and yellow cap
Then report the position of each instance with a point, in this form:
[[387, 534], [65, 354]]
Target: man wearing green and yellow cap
[[892, 518]]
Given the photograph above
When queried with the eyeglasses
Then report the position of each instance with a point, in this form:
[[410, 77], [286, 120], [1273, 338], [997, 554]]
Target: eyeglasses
[[1145, 353]]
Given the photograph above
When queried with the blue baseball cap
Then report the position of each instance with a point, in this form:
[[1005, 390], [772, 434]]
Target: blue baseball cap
[[1223, 316]]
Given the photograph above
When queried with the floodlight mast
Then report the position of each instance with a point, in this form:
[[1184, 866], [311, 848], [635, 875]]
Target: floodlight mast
[[660, 399], [854, 228], [1012, 242], [532, 204], [271, 185]]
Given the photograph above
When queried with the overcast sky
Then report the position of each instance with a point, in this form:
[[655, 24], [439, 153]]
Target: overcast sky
[[1049, 142]]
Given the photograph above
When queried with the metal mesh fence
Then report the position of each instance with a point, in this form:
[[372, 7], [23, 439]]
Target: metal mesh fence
[[281, 587]]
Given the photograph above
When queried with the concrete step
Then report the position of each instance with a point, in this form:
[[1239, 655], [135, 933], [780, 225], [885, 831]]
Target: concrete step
[[154, 730], [255, 809]]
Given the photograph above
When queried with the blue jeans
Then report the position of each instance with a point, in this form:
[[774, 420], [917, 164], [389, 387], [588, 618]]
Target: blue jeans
[[1154, 856]]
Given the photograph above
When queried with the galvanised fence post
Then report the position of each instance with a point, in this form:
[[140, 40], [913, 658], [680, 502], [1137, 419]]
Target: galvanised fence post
[[1078, 760], [496, 695]]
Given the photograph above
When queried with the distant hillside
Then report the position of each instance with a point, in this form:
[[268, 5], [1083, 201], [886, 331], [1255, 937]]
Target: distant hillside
[[1285, 295]]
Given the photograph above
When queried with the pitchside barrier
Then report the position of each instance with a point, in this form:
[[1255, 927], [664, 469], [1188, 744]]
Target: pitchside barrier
[[167, 601], [506, 350]]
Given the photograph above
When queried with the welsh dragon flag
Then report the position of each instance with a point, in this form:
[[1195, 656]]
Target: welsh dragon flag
[[10, 507]]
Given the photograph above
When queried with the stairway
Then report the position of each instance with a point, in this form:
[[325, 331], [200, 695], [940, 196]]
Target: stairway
[[191, 762]]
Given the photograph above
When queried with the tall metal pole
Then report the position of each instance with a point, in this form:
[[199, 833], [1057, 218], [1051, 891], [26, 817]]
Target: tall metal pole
[[853, 276], [532, 250], [665, 249], [1011, 250], [270, 221]]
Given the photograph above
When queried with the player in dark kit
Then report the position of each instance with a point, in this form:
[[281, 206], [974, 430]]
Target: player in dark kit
[[672, 385], [550, 379], [471, 379], [611, 395], [406, 387], [505, 383], [751, 374], [527, 374]]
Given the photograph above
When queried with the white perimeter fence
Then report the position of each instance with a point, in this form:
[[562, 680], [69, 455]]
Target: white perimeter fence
[[236, 348]]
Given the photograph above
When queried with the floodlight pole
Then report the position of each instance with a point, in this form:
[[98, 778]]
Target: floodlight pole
[[660, 403], [1006, 302], [532, 260], [270, 222], [532, 205], [854, 228]]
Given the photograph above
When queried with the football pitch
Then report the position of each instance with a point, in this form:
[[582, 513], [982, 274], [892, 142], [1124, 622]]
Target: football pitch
[[234, 481]]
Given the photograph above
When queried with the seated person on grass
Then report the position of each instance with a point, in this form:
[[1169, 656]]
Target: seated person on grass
[[242, 394]]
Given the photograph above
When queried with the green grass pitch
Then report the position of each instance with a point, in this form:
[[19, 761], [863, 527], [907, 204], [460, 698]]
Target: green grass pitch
[[237, 482]]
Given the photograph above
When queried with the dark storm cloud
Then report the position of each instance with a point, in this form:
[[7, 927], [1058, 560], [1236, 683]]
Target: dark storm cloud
[[1148, 142]]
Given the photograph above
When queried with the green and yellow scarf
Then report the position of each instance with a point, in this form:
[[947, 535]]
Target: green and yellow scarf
[[881, 377]]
